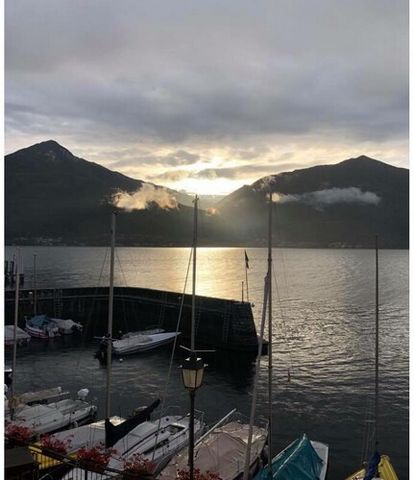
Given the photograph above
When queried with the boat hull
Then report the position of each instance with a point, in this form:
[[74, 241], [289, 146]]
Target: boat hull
[[385, 469], [133, 344]]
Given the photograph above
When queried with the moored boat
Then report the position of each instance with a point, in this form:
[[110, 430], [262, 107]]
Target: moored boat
[[379, 466], [303, 459], [22, 337], [142, 343], [41, 419], [221, 451], [67, 326], [41, 326]]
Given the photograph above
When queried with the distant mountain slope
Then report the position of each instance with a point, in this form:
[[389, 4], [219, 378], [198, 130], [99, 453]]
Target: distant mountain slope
[[52, 196], [50, 193], [355, 200]]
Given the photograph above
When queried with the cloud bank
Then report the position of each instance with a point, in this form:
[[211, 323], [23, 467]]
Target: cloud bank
[[329, 196]]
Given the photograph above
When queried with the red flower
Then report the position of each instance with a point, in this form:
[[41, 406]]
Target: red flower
[[138, 465], [185, 475], [97, 455], [60, 446], [19, 433]]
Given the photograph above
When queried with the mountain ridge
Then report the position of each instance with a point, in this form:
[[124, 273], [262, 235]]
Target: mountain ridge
[[52, 194]]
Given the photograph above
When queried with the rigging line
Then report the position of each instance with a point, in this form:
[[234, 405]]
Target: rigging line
[[282, 318], [120, 267], [162, 410], [277, 215], [125, 283], [89, 316]]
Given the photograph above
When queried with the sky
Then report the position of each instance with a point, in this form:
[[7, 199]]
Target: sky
[[206, 96]]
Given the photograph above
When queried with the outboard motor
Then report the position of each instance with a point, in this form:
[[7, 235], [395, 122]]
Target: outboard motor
[[8, 376], [82, 394], [102, 353]]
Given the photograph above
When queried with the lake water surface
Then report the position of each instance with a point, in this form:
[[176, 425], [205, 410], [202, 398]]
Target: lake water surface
[[323, 334]]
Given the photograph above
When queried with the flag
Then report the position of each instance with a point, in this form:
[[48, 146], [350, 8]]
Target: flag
[[246, 258]]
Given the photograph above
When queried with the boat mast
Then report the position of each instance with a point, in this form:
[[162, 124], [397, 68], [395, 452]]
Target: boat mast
[[246, 470], [376, 344], [270, 364], [16, 317], [34, 286], [110, 316], [194, 273]]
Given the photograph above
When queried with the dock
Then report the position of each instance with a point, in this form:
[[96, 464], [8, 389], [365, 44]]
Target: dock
[[220, 323]]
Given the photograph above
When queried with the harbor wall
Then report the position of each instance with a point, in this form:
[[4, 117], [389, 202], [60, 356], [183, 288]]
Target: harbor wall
[[219, 323]]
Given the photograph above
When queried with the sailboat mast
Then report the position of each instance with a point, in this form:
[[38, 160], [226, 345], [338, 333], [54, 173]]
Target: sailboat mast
[[270, 364], [110, 316], [194, 273], [16, 317], [34, 286], [376, 343]]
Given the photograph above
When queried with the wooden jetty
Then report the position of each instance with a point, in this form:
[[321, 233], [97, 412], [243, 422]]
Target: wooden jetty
[[220, 324]]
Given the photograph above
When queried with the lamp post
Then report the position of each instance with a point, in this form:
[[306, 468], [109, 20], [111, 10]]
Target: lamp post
[[192, 371]]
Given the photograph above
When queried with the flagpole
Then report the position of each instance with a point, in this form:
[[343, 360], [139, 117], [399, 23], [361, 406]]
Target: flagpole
[[247, 280]]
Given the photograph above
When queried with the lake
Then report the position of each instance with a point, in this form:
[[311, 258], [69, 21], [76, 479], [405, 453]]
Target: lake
[[323, 336]]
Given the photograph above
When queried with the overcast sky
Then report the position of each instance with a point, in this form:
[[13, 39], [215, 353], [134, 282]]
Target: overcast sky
[[209, 95]]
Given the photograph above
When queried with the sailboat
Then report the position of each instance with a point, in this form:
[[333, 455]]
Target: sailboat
[[379, 466], [303, 458]]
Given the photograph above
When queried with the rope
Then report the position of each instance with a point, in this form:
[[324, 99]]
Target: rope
[[282, 317], [125, 283], [89, 317]]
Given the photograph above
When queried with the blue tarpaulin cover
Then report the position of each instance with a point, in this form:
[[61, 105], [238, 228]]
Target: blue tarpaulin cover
[[39, 321], [298, 461]]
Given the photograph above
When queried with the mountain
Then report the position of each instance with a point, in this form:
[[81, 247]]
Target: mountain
[[54, 197], [344, 204]]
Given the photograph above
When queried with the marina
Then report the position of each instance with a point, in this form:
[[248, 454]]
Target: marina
[[324, 374]]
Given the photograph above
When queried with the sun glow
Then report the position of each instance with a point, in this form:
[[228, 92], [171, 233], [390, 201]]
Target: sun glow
[[213, 186]]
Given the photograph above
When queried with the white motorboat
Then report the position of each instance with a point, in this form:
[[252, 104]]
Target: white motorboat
[[142, 343], [54, 416], [68, 326], [22, 338], [41, 326]]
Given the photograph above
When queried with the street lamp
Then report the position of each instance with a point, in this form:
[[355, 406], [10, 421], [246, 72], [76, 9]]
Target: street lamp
[[192, 371]]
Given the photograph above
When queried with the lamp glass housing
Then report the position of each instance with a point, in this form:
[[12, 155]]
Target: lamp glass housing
[[192, 371]]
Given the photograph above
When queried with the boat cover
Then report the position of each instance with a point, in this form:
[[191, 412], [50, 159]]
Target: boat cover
[[39, 321], [41, 395], [299, 461], [222, 452]]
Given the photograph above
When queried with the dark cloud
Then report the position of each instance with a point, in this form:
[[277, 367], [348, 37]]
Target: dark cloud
[[162, 72]]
